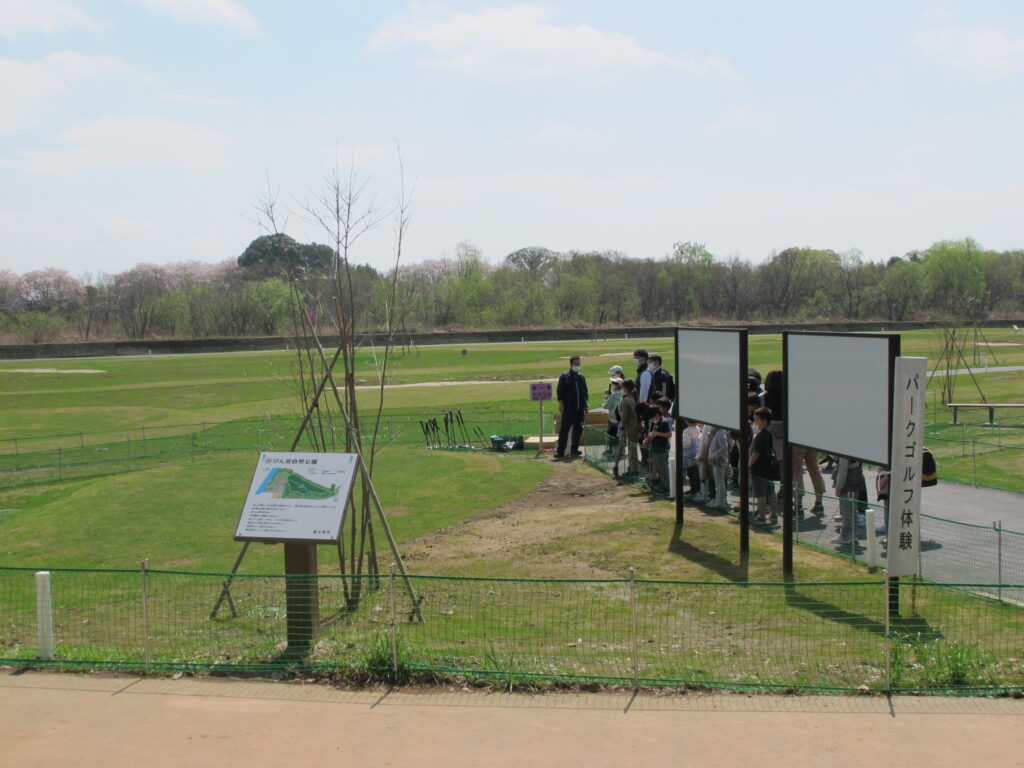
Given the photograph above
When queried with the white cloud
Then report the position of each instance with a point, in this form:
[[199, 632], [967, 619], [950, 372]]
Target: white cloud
[[131, 142], [979, 50], [46, 16], [224, 12], [26, 87], [520, 43]]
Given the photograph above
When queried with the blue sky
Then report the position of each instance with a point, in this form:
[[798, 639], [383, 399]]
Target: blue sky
[[142, 130]]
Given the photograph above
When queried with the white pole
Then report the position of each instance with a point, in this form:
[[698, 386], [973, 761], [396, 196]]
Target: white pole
[[869, 522], [44, 615]]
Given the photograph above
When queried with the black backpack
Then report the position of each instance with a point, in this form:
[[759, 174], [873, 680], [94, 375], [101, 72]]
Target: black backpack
[[929, 470], [662, 382]]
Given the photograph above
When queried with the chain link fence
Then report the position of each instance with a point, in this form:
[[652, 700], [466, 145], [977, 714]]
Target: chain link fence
[[736, 636]]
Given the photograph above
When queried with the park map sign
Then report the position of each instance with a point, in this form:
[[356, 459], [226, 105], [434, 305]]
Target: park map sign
[[298, 497]]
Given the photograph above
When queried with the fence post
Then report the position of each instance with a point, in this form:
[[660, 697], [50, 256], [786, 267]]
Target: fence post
[[128, 443], [633, 630], [394, 623], [998, 525], [974, 459], [257, 439], [60, 463], [44, 615], [145, 609], [886, 592], [16, 454], [872, 542], [145, 451]]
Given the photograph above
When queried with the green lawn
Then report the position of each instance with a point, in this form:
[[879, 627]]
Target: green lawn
[[181, 441]]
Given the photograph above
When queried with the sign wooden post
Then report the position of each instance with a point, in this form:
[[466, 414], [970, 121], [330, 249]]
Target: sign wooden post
[[904, 523], [302, 600], [539, 392], [299, 499]]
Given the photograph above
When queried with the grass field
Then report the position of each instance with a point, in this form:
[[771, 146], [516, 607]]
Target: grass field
[[179, 509]]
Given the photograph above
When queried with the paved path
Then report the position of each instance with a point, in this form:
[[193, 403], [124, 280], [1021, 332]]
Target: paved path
[[126, 722]]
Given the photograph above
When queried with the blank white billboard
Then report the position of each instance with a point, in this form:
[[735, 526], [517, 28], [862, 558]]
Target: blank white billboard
[[838, 397], [709, 375]]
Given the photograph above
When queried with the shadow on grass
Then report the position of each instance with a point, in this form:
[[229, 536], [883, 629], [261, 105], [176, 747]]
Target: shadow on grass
[[735, 572], [825, 610]]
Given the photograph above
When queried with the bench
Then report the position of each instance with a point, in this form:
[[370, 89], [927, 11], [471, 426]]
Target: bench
[[991, 409]]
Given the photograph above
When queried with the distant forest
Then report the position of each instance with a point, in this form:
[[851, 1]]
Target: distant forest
[[263, 291]]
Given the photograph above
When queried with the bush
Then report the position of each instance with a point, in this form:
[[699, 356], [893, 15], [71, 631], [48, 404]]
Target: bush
[[37, 327]]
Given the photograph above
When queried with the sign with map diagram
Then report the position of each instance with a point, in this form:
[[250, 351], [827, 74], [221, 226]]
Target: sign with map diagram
[[298, 497]]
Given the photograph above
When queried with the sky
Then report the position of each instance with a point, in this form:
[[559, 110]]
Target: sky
[[145, 131]]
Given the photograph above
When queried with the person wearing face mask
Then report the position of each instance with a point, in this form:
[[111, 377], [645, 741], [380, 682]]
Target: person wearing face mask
[[572, 405], [643, 376]]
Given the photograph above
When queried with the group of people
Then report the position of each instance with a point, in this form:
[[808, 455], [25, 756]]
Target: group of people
[[641, 425], [639, 417]]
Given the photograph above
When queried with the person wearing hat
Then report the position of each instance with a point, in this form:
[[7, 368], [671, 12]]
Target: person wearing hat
[[613, 396]]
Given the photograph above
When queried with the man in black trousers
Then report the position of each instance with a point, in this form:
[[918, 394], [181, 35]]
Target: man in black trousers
[[572, 404]]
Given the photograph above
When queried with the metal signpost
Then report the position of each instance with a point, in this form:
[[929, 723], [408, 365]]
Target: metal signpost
[[540, 392]]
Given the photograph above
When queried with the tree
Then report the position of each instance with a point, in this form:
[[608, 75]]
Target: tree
[[853, 282], [11, 300], [51, 289], [956, 281], [902, 288], [533, 259], [135, 295]]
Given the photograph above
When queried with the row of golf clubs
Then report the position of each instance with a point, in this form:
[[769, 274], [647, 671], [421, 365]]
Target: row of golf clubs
[[452, 432]]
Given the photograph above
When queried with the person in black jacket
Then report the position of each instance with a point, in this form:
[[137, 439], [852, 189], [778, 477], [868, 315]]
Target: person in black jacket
[[572, 404], [661, 380]]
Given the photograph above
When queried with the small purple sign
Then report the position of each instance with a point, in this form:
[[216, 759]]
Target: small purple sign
[[540, 391]]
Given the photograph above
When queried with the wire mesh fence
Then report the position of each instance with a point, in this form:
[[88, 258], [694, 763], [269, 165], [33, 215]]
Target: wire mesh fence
[[952, 552], [838, 636], [55, 458]]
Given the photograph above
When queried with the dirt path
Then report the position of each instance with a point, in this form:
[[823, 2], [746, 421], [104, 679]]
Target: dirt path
[[125, 722]]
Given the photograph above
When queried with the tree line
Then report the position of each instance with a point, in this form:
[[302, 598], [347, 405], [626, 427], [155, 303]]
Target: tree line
[[260, 292]]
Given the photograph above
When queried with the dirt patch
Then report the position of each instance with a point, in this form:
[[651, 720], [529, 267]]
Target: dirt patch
[[522, 536], [579, 524]]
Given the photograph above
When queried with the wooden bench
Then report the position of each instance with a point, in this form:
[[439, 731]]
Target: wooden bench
[[991, 409]]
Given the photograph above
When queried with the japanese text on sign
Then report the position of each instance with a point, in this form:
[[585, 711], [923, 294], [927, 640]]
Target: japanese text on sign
[[904, 521]]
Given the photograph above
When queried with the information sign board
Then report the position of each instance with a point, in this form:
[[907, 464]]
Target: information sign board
[[298, 497], [540, 390], [711, 375]]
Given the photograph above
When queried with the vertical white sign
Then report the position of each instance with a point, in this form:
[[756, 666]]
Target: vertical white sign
[[905, 480]]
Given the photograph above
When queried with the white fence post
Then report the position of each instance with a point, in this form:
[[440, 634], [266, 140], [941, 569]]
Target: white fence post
[[44, 615], [872, 555]]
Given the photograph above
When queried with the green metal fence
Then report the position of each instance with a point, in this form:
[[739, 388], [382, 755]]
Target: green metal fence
[[54, 458], [836, 637], [989, 558]]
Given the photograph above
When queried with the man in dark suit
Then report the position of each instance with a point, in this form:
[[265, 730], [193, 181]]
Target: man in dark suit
[[572, 404]]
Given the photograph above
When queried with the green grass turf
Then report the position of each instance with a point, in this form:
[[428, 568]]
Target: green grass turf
[[136, 397], [183, 516]]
